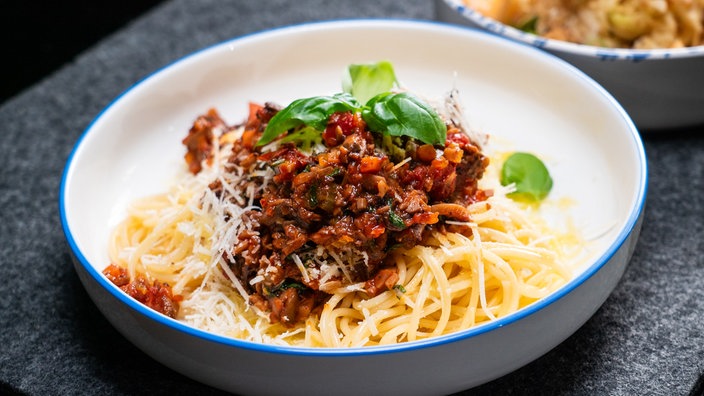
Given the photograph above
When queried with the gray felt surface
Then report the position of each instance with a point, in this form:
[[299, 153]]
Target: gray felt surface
[[648, 337]]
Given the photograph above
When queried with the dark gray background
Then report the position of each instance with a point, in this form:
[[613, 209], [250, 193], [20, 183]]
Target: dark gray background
[[648, 337]]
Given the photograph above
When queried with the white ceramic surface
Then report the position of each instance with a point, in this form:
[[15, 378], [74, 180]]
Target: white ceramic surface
[[660, 89], [133, 149]]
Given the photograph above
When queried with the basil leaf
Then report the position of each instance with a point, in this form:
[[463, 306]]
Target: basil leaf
[[529, 174], [313, 112], [403, 114], [364, 81]]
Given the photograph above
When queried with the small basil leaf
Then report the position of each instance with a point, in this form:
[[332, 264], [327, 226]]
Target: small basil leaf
[[529, 174], [303, 138], [364, 81], [403, 114], [313, 112]]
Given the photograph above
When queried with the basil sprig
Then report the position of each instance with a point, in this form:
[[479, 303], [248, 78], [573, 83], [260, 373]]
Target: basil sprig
[[393, 114], [529, 174]]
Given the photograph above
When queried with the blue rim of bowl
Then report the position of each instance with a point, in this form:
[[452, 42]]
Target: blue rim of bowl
[[625, 232], [601, 53]]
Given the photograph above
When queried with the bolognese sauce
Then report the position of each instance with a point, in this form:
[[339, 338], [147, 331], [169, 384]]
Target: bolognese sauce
[[329, 217]]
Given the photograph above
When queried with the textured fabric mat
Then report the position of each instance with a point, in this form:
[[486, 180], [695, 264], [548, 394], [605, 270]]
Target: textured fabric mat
[[647, 338]]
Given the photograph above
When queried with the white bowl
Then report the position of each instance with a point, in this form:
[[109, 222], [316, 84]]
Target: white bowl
[[133, 149], [660, 88]]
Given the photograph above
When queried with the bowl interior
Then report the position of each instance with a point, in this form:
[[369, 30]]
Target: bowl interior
[[591, 147]]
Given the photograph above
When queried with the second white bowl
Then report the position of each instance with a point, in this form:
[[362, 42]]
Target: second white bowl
[[660, 89]]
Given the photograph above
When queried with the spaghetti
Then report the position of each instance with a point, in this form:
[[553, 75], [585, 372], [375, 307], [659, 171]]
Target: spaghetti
[[452, 283]]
